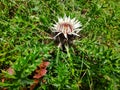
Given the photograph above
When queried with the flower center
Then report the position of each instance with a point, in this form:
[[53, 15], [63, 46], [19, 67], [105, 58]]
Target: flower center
[[65, 28]]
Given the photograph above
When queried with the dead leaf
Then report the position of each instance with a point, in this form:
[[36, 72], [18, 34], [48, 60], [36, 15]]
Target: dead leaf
[[43, 80], [41, 73], [36, 81], [10, 71], [44, 65], [3, 80]]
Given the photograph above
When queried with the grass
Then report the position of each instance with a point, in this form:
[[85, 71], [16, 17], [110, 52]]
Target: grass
[[92, 63]]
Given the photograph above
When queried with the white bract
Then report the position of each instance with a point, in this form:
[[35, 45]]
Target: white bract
[[67, 26]]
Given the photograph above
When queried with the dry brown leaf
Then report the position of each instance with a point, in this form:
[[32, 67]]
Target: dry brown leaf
[[10, 71], [44, 65], [41, 73], [36, 81]]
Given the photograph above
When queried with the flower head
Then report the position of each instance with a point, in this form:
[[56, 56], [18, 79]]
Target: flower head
[[67, 26]]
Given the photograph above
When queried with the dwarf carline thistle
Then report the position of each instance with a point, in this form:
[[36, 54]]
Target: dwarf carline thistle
[[67, 26]]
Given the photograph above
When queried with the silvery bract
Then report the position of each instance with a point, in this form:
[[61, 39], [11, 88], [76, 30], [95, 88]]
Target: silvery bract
[[66, 26]]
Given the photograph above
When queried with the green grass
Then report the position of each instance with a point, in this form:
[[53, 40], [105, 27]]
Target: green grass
[[92, 63]]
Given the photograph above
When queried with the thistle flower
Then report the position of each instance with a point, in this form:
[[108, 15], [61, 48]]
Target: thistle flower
[[65, 30], [66, 26]]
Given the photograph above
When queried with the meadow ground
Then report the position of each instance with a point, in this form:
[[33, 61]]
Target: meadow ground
[[91, 63]]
